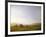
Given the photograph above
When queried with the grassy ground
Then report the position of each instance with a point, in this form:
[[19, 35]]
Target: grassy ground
[[33, 27]]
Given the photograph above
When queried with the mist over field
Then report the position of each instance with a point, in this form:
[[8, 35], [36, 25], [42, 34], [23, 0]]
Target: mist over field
[[25, 18]]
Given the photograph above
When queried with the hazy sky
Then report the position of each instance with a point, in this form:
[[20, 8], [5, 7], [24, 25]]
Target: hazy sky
[[25, 14]]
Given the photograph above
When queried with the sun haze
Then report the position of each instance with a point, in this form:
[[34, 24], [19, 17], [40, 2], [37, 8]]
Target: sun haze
[[25, 14]]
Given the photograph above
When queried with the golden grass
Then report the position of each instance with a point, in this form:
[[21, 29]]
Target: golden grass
[[21, 27]]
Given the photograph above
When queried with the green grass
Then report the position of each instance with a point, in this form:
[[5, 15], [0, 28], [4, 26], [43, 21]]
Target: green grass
[[33, 27]]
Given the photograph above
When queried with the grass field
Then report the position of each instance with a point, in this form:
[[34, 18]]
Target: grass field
[[21, 27]]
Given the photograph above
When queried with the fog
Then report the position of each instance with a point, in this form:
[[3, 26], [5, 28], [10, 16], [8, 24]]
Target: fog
[[25, 14]]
